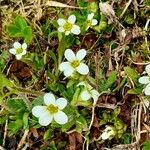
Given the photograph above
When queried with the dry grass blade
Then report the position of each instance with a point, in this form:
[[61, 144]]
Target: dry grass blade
[[22, 141], [58, 4], [147, 127]]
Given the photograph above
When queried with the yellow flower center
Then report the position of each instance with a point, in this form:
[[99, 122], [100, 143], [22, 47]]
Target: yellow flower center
[[89, 22], [19, 50], [75, 63], [52, 109], [68, 26]]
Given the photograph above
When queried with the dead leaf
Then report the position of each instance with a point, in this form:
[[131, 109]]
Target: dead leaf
[[108, 11], [34, 132], [72, 141], [20, 70]]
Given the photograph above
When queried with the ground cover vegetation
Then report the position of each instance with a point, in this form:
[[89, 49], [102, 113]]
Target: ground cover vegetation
[[74, 74]]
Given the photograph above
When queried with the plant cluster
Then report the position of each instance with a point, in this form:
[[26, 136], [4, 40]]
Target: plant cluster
[[54, 83]]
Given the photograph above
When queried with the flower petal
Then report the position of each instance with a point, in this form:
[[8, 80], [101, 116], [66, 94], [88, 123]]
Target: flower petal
[[67, 32], [95, 95], [61, 103], [75, 30], [24, 52], [45, 120], [18, 56], [147, 68], [83, 69], [81, 54], [24, 46], [85, 95], [69, 55], [64, 66], [69, 72], [144, 80], [61, 117], [90, 16], [49, 98], [12, 51], [147, 90], [104, 136], [61, 21], [82, 83], [94, 22], [39, 111], [72, 19], [17, 45], [61, 29]]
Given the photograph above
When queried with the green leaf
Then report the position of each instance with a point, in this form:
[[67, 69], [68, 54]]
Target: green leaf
[[3, 120], [135, 91], [53, 56], [4, 57], [20, 22], [80, 124], [75, 97], [13, 31], [52, 146], [102, 24], [14, 126], [92, 7], [71, 113], [16, 105], [111, 79], [131, 73], [38, 101], [4, 82], [129, 19], [48, 134], [27, 34], [147, 2], [61, 47], [71, 82], [25, 120], [20, 29], [67, 93], [146, 145], [82, 3], [126, 138]]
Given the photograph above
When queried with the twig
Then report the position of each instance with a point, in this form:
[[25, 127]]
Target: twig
[[146, 29], [22, 141], [109, 106], [5, 132], [127, 5], [139, 122], [92, 118], [1, 148], [144, 63]]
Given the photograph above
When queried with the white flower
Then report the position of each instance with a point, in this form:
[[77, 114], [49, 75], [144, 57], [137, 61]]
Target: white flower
[[51, 111], [68, 26], [18, 50], [146, 80], [108, 133], [74, 63], [88, 92], [90, 21]]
